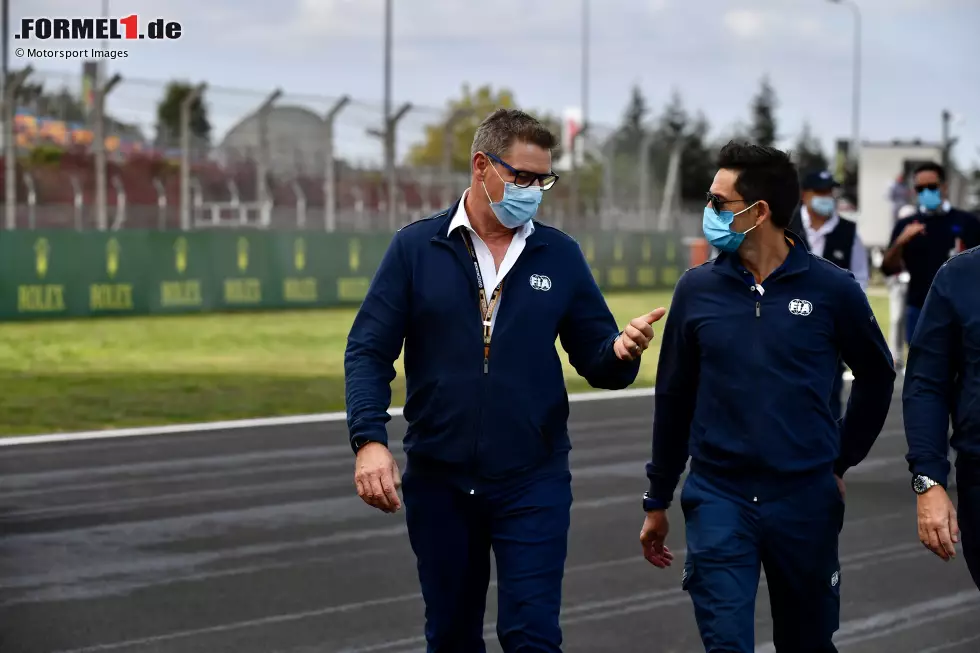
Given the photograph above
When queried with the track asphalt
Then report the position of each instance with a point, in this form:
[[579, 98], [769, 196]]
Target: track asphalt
[[254, 541]]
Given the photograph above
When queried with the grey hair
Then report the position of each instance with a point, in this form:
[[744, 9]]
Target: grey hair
[[500, 129]]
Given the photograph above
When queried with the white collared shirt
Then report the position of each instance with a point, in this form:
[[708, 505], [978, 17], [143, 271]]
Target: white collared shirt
[[491, 276], [818, 239]]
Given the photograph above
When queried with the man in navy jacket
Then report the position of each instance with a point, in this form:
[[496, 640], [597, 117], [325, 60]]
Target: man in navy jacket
[[942, 381], [749, 357], [478, 295]]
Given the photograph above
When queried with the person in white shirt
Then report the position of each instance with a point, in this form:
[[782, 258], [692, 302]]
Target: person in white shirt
[[834, 238]]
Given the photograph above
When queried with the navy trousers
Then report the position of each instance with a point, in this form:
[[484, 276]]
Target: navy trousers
[[968, 515], [525, 522], [793, 537]]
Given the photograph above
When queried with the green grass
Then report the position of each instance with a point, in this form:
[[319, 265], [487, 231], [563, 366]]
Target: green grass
[[90, 374]]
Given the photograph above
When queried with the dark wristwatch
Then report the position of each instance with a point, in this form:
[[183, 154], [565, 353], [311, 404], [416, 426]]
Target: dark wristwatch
[[359, 441], [650, 503], [922, 484]]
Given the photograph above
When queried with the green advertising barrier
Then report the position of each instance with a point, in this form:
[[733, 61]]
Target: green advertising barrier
[[634, 261], [59, 274]]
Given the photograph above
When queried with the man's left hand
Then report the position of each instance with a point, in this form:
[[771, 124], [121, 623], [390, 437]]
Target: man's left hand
[[841, 487], [637, 335]]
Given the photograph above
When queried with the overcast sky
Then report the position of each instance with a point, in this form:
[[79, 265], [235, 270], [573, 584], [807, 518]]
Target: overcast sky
[[920, 56]]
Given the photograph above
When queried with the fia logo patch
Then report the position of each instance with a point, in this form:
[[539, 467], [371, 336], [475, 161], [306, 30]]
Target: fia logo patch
[[800, 307], [540, 282], [835, 579]]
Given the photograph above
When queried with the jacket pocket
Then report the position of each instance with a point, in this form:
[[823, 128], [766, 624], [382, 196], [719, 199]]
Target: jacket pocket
[[517, 426], [442, 418]]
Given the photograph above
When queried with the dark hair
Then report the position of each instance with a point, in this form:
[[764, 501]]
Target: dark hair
[[500, 129], [764, 173], [932, 167]]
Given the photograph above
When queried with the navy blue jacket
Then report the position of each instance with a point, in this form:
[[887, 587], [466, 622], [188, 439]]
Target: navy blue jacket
[[926, 253], [511, 417], [745, 379], [943, 374]]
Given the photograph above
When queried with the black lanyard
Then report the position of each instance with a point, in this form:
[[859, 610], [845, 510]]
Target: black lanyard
[[486, 308]]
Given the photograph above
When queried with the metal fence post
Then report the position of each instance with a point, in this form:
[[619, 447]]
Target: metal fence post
[[263, 165], [645, 146], [387, 135], [185, 155], [101, 211], [671, 185], [449, 144], [329, 169], [9, 101]]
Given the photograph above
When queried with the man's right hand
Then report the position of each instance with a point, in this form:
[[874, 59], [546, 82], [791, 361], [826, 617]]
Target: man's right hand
[[938, 528], [377, 477], [909, 232], [652, 537]]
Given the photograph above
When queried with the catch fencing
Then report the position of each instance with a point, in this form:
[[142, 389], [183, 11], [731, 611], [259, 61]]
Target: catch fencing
[[276, 160]]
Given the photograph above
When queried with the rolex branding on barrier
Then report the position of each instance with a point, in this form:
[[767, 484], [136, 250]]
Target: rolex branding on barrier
[[56, 274]]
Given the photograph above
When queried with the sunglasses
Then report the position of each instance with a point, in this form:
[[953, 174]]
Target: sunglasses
[[717, 203], [919, 189]]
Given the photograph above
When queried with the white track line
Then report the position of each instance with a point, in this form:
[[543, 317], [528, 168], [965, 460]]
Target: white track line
[[603, 395]]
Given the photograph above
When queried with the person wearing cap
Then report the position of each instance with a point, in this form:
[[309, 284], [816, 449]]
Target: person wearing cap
[[834, 238], [925, 241]]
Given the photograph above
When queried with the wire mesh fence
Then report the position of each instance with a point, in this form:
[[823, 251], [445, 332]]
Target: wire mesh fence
[[269, 159]]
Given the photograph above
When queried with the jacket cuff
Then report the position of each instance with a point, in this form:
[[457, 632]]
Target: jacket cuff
[[660, 495], [936, 470], [840, 467]]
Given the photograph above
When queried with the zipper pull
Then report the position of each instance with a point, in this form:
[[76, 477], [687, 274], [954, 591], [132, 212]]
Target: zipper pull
[[758, 306], [486, 365]]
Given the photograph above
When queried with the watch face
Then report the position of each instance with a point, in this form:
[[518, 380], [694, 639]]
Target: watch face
[[920, 484]]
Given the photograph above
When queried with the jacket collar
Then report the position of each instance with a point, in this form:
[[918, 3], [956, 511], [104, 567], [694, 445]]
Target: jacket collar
[[450, 219], [797, 261]]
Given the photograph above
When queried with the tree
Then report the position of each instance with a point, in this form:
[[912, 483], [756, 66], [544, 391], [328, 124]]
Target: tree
[[808, 152], [630, 133], [697, 164], [674, 120], [763, 130], [697, 161], [470, 110], [168, 115]]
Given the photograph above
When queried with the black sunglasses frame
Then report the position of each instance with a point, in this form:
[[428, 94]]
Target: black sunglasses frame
[[717, 202], [922, 187], [535, 176]]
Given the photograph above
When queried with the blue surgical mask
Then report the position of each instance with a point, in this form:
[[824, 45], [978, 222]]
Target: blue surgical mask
[[518, 205], [717, 229], [823, 205], [930, 200]]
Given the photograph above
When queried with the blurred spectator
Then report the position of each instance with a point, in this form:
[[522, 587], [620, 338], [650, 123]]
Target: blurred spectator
[[926, 240]]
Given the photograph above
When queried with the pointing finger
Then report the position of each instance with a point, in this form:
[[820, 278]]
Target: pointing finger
[[655, 315]]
